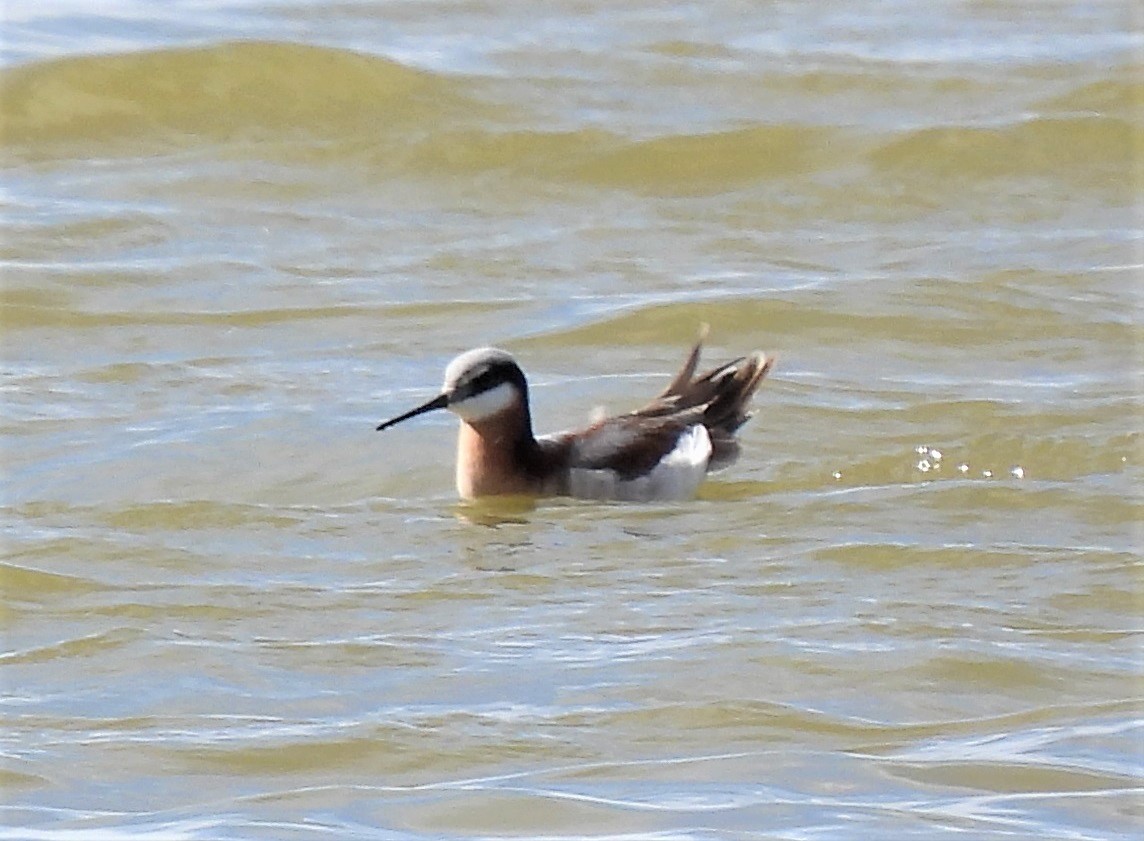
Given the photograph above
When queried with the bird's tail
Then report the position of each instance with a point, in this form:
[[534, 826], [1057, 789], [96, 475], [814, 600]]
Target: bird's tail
[[720, 397]]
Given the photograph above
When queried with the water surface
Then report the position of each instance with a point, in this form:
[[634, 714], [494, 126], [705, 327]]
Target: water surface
[[239, 234]]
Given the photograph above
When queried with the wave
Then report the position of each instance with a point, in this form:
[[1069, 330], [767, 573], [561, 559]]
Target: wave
[[236, 90], [1085, 145], [324, 106]]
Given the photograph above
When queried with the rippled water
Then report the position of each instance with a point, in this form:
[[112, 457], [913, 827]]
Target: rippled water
[[238, 234]]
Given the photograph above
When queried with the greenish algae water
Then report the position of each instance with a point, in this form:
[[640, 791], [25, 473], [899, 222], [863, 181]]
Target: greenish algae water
[[237, 235]]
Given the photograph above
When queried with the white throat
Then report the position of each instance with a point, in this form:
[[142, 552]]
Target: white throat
[[486, 404]]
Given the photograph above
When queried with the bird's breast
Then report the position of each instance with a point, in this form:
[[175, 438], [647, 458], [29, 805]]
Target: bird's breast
[[488, 464]]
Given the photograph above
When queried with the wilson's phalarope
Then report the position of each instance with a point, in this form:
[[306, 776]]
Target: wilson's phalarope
[[659, 452]]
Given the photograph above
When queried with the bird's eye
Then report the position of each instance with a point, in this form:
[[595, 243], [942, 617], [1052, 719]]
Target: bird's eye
[[482, 380]]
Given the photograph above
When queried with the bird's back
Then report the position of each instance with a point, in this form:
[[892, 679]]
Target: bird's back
[[664, 449]]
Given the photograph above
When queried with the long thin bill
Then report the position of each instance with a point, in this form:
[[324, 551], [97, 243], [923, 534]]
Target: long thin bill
[[438, 402]]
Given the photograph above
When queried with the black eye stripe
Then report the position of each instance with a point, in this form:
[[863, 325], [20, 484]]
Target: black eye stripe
[[486, 379]]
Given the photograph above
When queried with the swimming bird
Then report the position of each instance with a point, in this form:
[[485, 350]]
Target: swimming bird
[[659, 452]]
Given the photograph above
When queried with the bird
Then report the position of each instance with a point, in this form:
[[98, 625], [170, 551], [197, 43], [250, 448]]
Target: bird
[[660, 452]]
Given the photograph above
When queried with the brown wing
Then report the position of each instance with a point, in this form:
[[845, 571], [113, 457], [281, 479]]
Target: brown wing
[[634, 443], [718, 398], [629, 445]]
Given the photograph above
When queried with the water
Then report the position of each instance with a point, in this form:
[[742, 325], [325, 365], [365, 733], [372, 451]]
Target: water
[[238, 235]]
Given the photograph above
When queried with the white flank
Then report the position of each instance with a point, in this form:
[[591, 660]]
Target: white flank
[[486, 403], [676, 477]]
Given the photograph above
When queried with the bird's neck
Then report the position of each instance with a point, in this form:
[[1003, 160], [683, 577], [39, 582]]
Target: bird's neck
[[496, 455]]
